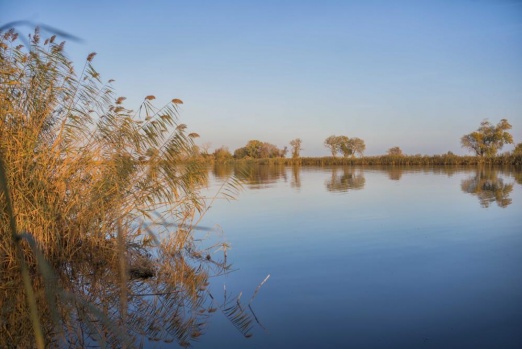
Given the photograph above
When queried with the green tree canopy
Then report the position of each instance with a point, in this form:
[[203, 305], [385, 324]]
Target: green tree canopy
[[357, 146], [395, 151], [345, 145], [351, 146], [256, 149], [488, 139], [222, 154], [333, 144], [296, 147]]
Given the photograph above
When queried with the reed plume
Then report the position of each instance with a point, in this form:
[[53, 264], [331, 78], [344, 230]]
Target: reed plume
[[104, 200]]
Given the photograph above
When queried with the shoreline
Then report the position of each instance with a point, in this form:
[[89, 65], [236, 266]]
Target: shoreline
[[404, 160]]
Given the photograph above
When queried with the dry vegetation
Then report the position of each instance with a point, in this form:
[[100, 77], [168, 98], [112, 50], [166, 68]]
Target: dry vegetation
[[392, 160], [87, 185]]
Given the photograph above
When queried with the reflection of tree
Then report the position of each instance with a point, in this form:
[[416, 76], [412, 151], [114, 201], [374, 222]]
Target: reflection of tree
[[260, 176], [350, 179], [518, 177], [394, 173], [488, 187], [222, 170], [296, 177], [445, 170]]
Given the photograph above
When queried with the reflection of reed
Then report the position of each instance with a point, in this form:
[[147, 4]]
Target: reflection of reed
[[488, 187], [78, 173], [222, 171], [350, 179], [88, 302], [87, 295]]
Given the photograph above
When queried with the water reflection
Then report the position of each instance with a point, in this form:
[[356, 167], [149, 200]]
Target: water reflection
[[89, 302], [255, 176], [222, 171], [399, 255], [486, 183], [345, 179], [518, 177], [394, 173], [296, 177], [488, 187]]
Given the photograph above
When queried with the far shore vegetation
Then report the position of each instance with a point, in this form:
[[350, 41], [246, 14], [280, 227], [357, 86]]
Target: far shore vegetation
[[514, 158], [406, 160], [486, 142]]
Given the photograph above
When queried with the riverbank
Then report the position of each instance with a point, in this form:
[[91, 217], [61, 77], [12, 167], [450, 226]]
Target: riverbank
[[432, 160]]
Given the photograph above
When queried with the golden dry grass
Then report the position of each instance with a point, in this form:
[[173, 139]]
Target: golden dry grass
[[87, 185]]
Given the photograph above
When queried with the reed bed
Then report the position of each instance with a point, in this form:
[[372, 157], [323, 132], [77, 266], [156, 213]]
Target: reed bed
[[99, 206], [403, 160]]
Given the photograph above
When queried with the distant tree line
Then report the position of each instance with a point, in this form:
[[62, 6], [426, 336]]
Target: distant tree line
[[486, 141]]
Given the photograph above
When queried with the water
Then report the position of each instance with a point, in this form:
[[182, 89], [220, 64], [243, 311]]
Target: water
[[373, 258]]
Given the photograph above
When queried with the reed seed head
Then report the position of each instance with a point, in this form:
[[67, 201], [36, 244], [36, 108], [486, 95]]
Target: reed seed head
[[91, 56]]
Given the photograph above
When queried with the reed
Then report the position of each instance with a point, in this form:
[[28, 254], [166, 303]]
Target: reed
[[402, 160], [98, 210]]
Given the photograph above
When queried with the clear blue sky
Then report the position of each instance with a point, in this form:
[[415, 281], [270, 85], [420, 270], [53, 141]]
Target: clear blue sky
[[415, 74]]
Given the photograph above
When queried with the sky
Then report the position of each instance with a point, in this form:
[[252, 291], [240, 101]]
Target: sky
[[414, 74]]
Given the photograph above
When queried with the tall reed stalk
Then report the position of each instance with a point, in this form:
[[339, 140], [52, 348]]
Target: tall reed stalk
[[86, 187]]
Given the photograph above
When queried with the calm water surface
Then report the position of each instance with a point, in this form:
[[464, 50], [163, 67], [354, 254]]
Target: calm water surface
[[373, 258]]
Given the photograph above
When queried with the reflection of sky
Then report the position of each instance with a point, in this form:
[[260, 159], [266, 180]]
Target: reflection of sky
[[417, 74], [399, 264]]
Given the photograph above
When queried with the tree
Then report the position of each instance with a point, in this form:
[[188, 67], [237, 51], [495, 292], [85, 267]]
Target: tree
[[254, 148], [222, 154], [283, 152], [351, 146], [344, 145], [332, 143], [296, 147], [271, 151], [395, 151], [518, 149], [488, 139], [259, 150], [356, 146], [240, 153]]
